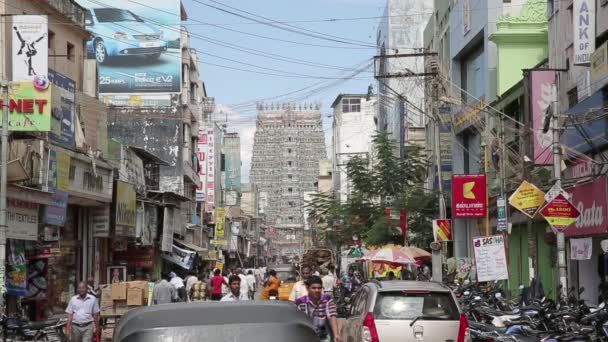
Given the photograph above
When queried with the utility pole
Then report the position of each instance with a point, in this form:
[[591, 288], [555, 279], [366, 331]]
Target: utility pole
[[437, 260], [3, 189], [557, 174], [484, 145]]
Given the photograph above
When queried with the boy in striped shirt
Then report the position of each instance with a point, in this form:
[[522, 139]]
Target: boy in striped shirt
[[321, 309]]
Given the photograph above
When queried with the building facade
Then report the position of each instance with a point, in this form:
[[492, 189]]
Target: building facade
[[288, 145]]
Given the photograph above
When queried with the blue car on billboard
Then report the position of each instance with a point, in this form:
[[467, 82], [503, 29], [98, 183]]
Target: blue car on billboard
[[118, 32]]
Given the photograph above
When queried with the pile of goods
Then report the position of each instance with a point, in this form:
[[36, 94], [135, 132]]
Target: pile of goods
[[318, 259], [118, 298]]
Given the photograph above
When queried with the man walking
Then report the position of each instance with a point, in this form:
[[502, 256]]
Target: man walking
[[321, 309], [216, 285], [244, 283], [180, 287], [235, 294], [299, 288], [163, 292], [251, 284], [83, 316], [329, 282]]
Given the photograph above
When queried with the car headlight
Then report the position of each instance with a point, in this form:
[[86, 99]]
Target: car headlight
[[120, 36]]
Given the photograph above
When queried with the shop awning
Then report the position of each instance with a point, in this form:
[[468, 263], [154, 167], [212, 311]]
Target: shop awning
[[197, 249]]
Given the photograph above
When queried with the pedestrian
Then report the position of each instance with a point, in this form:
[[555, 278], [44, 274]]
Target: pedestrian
[[180, 287], [83, 316], [190, 281], [272, 285], [321, 309], [163, 292], [251, 284], [244, 284], [225, 287], [216, 285], [391, 275], [235, 295], [299, 288], [329, 282]]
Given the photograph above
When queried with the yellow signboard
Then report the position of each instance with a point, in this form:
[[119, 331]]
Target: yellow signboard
[[527, 199], [220, 266], [126, 204], [63, 171], [220, 222]]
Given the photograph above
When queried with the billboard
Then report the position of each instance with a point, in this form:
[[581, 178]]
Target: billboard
[[203, 154], [29, 107], [543, 93], [30, 52], [469, 196], [583, 14], [137, 47], [126, 209], [62, 110]]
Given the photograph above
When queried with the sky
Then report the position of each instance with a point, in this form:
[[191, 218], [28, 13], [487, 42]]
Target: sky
[[237, 91]]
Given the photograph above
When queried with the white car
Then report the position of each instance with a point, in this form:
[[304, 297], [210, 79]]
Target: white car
[[403, 311]]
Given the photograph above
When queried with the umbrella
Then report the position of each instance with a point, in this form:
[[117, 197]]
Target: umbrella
[[389, 256], [415, 252]]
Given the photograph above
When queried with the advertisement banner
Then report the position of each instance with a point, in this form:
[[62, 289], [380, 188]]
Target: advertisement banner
[[62, 110], [560, 213], [29, 107], [490, 258], [220, 222], [126, 209], [442, 230], [543, 93], [55, 214], [469, 196], [181, 257], [150, 225], [168, 222], [583, 18], [63, 171], [502, 223], [22, 220], [232, 152], [599, 68], [210, 188], [590, 201], [527, 199], [137, 47], [581, 249], [16, 284], [30, 52], [203, 154]]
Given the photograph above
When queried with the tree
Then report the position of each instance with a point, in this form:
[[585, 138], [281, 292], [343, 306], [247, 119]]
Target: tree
[[384, 181]]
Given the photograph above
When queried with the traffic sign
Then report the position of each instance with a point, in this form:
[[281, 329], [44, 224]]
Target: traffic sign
[[527, 199], [501, 214], [560, 213]]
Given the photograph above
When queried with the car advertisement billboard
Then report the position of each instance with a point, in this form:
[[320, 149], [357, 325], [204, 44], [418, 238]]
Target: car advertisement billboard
[[137, 47]]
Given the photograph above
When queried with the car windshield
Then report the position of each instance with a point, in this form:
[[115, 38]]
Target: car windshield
[[403, 305], [286, 276], [113, 15]]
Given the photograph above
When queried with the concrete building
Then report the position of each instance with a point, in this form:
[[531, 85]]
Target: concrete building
[[288, 145], [400, 32], [325, 180], [352, 132]]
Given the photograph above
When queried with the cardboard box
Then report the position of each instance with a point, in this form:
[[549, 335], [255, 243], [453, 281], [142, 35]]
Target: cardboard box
[[142, 285], [135, 297], [120, 307], [107, 310], [119, 291]]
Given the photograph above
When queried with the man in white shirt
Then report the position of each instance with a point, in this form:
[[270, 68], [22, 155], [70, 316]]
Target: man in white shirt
[[251, 284], [180, 287], [244, 283], [329, 282], [235, 294], [190, 281], [83, 316], [299, 288]]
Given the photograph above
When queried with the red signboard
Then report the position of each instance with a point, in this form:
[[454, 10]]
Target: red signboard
[[560, 213], [590, 200], [469, 198]]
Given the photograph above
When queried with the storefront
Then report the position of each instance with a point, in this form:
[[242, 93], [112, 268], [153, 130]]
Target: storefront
[[588, 261]]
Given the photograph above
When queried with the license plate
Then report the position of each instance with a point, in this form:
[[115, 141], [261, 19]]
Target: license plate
[[149, 44]]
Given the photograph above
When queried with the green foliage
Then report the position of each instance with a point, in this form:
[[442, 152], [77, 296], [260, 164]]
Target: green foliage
[[384, 181]]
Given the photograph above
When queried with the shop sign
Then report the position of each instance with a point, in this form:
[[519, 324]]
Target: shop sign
[[599, 67], [150, 225], [100, 218], [442, 230], [16, 284], [180, 256], [468, 116], [63, 171], [560, 213], [469, 196], [22, 219], [126, 209], [220, 223], [580, 168], [490, 258], [29, 108], [502, 223], [590, 201], [62, 110], [56, 213], [583, 13], [527, 199], [136, 257]]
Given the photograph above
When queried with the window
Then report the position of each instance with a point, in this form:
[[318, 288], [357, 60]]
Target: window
[[72, 172], [289, 176], [290, 190], [351, 105], [292, 204], [71, 51], [51, 40], [288, 150], [290, 218], [289, 139], [572, 97], [288, 163], [407, 306]]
